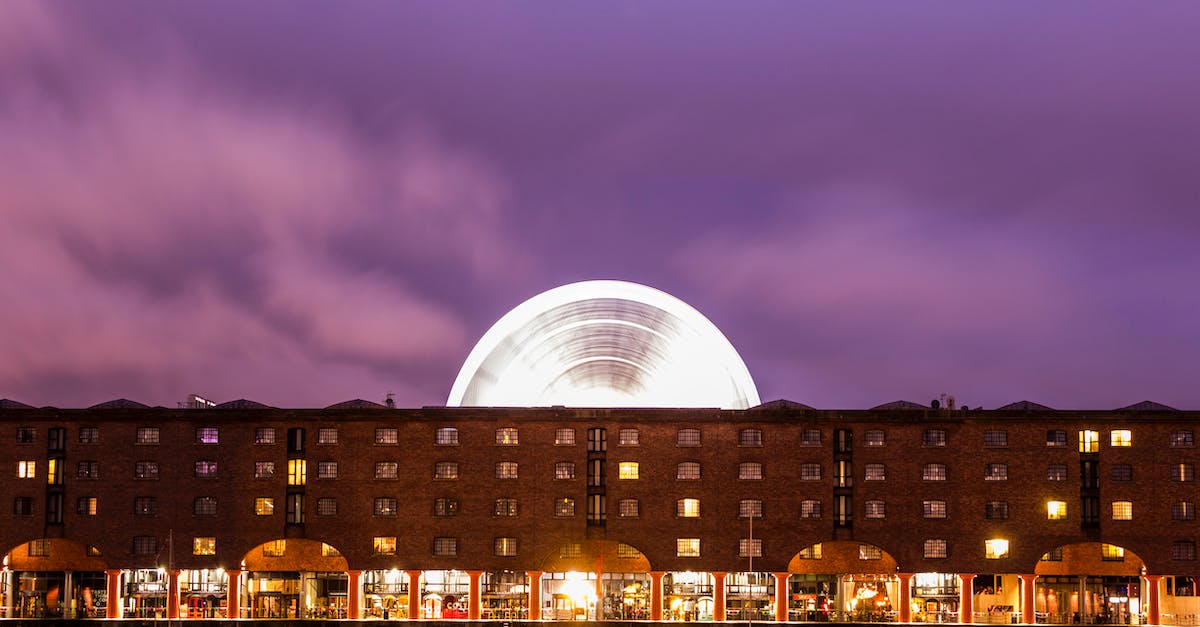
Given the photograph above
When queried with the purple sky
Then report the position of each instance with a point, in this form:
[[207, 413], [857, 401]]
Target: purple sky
[[307, 202]]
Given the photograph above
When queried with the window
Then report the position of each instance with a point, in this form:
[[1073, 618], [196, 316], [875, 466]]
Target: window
[[1056, 472], [386, 506], [54, 471], [934, 437], [88, 470], [327, 470], [275, 548], [25, 435], [264, 470], [54, 508], [876, 509], [1183, 437], [384, 545], [750, 437], [874, 437], [145, 470], [147, 435], [564, 508], [1122, 472], [628, 508], [810, 472], [995, 510], [934, 549], [1183, 550], [26, 469], [297, 472], [687, 508], [86, 505], [1183, 472], [1122, 510], [810, 508], [875, 472], [933, 472], [564, 437], [625, 551], [445, 547], [1120, 437], [387, 436], [506, 436], [446, 436], [505, 508], [627, 437], [627, 470], [934, 509], [810, 552], [750, 508], [327, 436], [387, 470], [1112, 553], [145, 545], [445, 470], [204, 545], [995, 472], [1054, 555], [145, 506], [264, 435], [204, 506], [205, 469], [564, 470], [327, 506], [1089, 441], [750, 547], [506, 470], [207, 435], [810, 437], [687, 437], [750, 471], [573, 549], [995, 549], [995, 437], [687, 547], [89, 435], [843, 515], [688, 471], [869, 552], [39, 548], [843, 474], [329, 551], [445, 508], [264, 506], [295, 509], [1183, 510], [505, 547], [1056, 510]]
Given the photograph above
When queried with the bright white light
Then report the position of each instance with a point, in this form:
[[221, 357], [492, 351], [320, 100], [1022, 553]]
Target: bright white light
[[604, 344]]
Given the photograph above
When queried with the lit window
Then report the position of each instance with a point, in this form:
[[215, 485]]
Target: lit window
[[995, 549], [264, 435], [327, 506], [1056, 472], [505, 547], [145, 470], [1183, 438], [207, 435], [205, 469], [874, 437], [995, 437], [934, 437], [387, 470], [264, 470], [750, 508], [205, 506], [628, 508], [995, 472], [386, 506], [1121, 437], [1056, 437], [564, 470], [1089, 441], [564, 507], [810, 508], [627, 437], [204, 546], [54, 471], [445, 547], [1053, 556], [505, 508], [89, 435], [1183, 550], [627, 470], [875, 472], [934, 549], [1183, 472], [810, 472], [327, 436], [384, 545], [934, 509], [86, 506], [26, 469], [329, 551], [750, 437], [750, 471], [506, 470], [869, 552], [1122, 472], [995, 510], [145, 545], [446, 436], [688, 437], [810, 437], [506, 436], [1112, 553], [445, 508], [1056, 510], [264, 506], [1183, 510], [147, 435], [327, 470], [688, 471], [387, 436], [564, 437], [933, 472], [297, 472], [573, 549], [145, 506], [687, 547], [874, 509], [625, 551], [810, 552], [1122, 510], [750, 547], [687, 508], [445, 470]]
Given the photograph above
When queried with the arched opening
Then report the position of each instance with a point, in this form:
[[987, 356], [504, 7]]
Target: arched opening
[[53, 578], [1089, 582], [596, 580], [843, 581], [294, 578]]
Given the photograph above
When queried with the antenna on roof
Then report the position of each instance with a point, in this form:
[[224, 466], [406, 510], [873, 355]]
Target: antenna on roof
[[390, 401]]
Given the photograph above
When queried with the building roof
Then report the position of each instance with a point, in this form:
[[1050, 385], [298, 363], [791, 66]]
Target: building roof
[[1147, 406], [1025, 406], [242, 403], [901, 405], [10, 404], [120, 403], [357, 403], [782, 404]]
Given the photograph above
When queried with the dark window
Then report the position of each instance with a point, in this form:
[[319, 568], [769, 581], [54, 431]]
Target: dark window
[[327, 506], [386, 506], [56, 439], [1183, 510], [264, 435], [598, 440], [505, 508], [295, 440], [1056, 472], [843, 511], [843, 440], [145, 470], [295, 509], [934, 437], [25, 435], [23, 506], [1091, 511], [595, 472], [596, 510], [205, 506], [995, 510], [89, 435], [1056, 437], [995, 437], [145, 545], [1122, 472], [1183, 550], [1183, 437], [843, 474], [995, 472], [875, 437], [207, 435], [206, 469], [88, 470], [445, 508], [1089, 475], [145, 506], [810, 437], [750, 437]]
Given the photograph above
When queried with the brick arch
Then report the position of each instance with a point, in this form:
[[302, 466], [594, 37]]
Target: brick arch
[[597, 555], [64, 554], [299, 554], [1084, 558], [840, 557]]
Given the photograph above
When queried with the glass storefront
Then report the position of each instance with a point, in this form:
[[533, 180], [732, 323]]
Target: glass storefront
[[505, 595], [687, 596], [626, 596], [750, 596], [444, 594], [569, 596], [146, 593], [812, 598], [385, 594]]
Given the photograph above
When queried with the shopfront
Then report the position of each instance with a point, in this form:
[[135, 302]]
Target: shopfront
[[505, 595], [812, 597], [444, 594], [687, 596], [626, 596], [385, 594]]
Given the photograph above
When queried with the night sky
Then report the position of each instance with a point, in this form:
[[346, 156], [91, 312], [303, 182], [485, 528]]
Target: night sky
[[302, 203]]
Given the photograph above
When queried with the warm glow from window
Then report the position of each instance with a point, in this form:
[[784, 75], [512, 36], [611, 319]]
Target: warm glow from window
[[1089, 441], [1056, 510], [204, 546], [1121, 437], [297, 472], [688, 508], [26, 469], [628, 470], [1122, 510], [264, 506], [385, 545], [996, 549], [52, 470], [687, 547], [1111, 552]]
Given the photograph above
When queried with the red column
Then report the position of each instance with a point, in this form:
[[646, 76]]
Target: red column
[[233, 594], [1028, 599], [353, 594], [414, 594], [905, 602], [1153, 614], [172, 594], [534, 579], [656, 597], [781, 595], [719, 596], [112, 579], [966, 598], [474, 595]]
